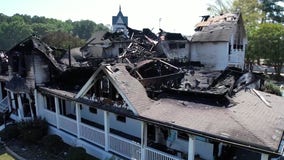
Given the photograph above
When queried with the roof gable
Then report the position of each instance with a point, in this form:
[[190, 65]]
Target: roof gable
[[218, 28], [119, 18], [126, 86]]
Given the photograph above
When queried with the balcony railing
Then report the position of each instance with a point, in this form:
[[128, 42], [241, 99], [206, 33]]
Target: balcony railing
[[50, 117], [92, 134], [153, 154], [117, 144], [125, 147]]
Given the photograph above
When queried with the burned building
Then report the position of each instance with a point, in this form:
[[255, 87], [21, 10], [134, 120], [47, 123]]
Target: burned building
[[219, 41], [140, 106]]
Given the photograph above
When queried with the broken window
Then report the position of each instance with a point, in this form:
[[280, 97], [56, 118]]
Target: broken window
[[50, 103], [62, 106], [104, 91], [15, 63], [18, 64], [181, 45], [105, 85], [182, 135], [121, 118], [173, 45], [93, 110], [238, 41]]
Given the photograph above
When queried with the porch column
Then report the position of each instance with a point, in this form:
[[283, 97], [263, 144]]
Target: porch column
[[36, 103], [1, 96], [30, 106], [78, 119], [106, 126], [264, 156], [143, 140], [56, 101], [191, 147], [9, 101], [20, 109], [13, 101]]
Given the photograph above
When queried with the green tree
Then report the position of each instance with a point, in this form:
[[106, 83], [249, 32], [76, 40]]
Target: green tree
[[220, 7], [268, 42], [12, 33], [83, 29], [62, 40], [15, 28], [273, 11], [251, 12]]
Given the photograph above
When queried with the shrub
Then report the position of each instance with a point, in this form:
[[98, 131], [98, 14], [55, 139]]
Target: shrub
[[31, 131], [76, 153], [11, 131], [272, 88], [53, 143]]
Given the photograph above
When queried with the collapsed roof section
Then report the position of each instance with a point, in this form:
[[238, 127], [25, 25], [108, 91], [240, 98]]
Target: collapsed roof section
[[218, 28], [33, 43]]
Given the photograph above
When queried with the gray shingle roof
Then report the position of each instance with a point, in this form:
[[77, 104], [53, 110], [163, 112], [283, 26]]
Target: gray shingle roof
[[218, 28]]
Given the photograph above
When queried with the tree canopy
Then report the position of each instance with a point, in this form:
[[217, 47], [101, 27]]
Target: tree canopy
[[267, 42], [17, 27]]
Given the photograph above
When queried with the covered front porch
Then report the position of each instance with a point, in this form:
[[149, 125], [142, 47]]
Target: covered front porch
[[102, 131]]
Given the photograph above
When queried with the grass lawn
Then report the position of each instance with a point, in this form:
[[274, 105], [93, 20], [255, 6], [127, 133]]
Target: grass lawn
[[6, 156]]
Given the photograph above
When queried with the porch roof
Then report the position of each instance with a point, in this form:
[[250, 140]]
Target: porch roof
[[250, 122]]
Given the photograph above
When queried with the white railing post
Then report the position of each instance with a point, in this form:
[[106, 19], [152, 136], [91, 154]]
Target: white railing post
[[143, 140], [264, 156], [106, 126], [20, 109], [78, 119], [191, 147], [56, 101]]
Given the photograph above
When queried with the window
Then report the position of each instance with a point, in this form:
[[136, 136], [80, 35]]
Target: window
[[62, 106], [120, 50], [182, 135], [93, 110], [121, 119], [181, 45], [15, 63], [50, 103], [173, 45]]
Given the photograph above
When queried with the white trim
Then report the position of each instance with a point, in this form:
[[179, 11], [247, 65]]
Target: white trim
[[144, 135], [78, 119], [264, 156], [88, 84], [191, 147], [106, 127], [56, 101]]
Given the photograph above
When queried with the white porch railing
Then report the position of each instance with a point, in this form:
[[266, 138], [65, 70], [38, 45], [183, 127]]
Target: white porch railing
[[50, 117], [121, 146], [68, 124], [153, 154], [92, 134], [125, 147]]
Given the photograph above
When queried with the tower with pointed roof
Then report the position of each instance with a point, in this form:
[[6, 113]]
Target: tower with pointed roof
[[119, 22]]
